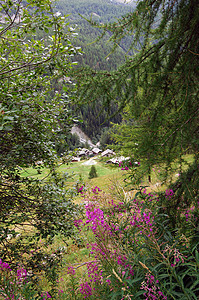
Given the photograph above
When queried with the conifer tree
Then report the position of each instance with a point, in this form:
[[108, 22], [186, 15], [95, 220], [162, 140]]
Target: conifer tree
[[159, 83], [93, 172]]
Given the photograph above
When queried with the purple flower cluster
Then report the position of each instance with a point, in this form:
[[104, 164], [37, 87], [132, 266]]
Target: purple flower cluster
[[12, 282], [191, 214], [106, 229], [71, 270], [174, 255], [21, 274], [103, 231], [4, 266], [143, 220], [169, 194], [95, 217], [152, 289], [150, 197], [96, 189], [77, 224], [125, 168], [45, 296], [94, 272], [85, 289], [80, 190], [132, 225]]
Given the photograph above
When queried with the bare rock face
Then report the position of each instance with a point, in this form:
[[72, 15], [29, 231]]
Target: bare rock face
[[129, 2], [82, 136]]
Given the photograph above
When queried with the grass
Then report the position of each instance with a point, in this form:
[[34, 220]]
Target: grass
[[108, 175], [77, 168], [111, 180]]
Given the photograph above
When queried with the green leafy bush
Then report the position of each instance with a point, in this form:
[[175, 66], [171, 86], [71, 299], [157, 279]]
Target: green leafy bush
[[35, 51]]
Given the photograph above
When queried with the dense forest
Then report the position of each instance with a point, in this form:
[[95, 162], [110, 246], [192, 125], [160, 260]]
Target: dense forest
[[97, 54]]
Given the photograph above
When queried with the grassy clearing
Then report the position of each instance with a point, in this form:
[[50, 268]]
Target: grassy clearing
[[76, 168], [110, 177]]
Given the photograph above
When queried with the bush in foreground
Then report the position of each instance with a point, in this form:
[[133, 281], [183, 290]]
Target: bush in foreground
[[134, 251], [136, 254]]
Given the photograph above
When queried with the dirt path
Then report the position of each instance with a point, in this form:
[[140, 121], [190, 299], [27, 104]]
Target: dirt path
[[90, 162]]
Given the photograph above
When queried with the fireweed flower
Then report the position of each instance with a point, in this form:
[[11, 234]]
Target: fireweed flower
[[95, 217], [4, 266], [85, 289], [144, 192], [77, 224], [169, 194], [94, 272], [173, 254], [102, 229], [107, 228], [152, 289], [21, 273], [45, 296], [96, 189], [80, 190], [71, 271]]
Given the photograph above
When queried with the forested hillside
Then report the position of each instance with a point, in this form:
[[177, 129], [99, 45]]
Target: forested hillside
[[96, 54]]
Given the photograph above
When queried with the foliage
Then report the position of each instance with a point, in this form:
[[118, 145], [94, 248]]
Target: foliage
[[135, 255], [134, 252], [159, 83], [32, 117], [145, 249], [106, 139], [93, 172], [95, 53], [96, 119], [13, 286]]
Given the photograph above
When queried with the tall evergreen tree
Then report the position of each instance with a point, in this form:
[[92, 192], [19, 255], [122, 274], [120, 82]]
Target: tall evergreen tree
[[159, 83]]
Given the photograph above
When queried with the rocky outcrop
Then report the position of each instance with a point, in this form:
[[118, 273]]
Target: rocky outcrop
[[82, 136]]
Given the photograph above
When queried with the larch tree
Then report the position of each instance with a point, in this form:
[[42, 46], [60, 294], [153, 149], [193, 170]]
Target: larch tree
[[157, 86]]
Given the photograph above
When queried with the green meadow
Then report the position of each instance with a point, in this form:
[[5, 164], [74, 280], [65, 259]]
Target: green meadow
[[76, 170]]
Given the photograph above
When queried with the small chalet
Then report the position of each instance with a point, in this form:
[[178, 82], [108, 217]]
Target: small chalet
[[75, 159], [107, 153], [83, 152], [96, 151], [117, 160]]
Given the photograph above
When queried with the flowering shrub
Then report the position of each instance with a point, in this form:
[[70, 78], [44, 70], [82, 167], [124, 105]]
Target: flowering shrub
[[151, 288], [135, 253], [129, 164], [45, 296], [14, 285]]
